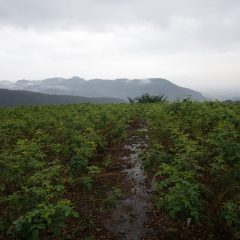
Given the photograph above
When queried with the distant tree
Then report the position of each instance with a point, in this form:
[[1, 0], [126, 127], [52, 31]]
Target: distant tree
[[131, 100], [147, 98]]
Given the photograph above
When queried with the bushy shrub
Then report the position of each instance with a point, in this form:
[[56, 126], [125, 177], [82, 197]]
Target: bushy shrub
[[43, 217], [147, 98]]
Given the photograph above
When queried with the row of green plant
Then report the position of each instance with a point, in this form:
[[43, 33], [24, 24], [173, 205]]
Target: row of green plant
[[194, 156], [46, 150]]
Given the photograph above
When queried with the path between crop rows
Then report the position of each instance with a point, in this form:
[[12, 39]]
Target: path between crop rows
[[128, 219]]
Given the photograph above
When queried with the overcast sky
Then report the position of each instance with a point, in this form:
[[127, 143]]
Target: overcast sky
[[193, 43]]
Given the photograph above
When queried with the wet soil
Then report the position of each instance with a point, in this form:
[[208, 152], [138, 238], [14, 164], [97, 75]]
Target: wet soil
[[127, 220]]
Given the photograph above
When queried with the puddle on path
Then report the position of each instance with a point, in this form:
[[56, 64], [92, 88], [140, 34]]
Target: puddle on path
[[127, 220]]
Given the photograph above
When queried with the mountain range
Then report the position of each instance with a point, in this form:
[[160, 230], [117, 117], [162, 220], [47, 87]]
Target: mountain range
[[95, 88]]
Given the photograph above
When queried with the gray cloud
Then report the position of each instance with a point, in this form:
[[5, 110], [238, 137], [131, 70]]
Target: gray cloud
[[212, 23], [68, 13], [181, 40]]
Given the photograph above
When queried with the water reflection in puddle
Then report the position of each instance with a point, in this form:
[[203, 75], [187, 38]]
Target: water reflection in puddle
[[127, 220]]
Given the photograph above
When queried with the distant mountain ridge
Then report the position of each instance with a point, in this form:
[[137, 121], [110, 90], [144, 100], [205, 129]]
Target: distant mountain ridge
[[119, 88], [10, 98]]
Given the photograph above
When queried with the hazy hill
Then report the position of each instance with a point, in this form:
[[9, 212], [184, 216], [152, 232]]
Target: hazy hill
[[119, 88], [20, 97], [235, 100]]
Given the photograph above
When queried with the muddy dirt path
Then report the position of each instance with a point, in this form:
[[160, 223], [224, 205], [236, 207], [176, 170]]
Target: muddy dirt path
[[128, 218]]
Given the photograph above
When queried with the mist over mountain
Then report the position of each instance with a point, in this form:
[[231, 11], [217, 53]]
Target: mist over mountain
[[119, 88], [10, 98], [236, 99]]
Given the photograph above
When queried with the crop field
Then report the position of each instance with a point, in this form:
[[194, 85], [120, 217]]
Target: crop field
[[61, 176], [194, 156]]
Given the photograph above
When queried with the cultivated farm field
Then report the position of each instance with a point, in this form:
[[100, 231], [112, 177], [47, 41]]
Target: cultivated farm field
[[62, 175]]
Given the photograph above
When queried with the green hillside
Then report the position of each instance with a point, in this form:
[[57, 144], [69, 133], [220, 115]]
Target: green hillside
[[20, 98]]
